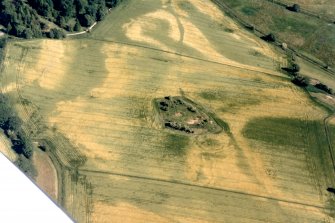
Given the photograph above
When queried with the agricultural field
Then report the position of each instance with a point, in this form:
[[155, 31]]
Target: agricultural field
[[320, 7], [311, 35], [90, 101]]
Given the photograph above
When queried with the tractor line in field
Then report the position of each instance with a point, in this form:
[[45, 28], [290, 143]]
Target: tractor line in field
[[87, 171]]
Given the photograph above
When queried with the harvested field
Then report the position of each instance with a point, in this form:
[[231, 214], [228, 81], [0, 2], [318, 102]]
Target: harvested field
[[91, 100]]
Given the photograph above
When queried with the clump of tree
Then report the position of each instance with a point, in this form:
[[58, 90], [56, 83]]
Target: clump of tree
[[2, 46], [19, 19], [324, 88], [300, 81], [11, 125], [293, 69], [269, 38], [22, 18], [25, 166], [56, 34], [294, 8]]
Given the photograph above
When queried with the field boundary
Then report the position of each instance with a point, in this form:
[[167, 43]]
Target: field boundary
[[203, 187]]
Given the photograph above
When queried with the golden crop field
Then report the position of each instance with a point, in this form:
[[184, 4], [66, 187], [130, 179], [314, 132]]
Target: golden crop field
[[90, 101]]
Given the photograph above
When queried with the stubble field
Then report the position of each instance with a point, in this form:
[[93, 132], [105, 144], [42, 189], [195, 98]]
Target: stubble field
[[90, 99]]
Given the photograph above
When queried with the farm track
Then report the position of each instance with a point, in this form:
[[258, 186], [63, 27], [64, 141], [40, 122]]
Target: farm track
[[204, 187]]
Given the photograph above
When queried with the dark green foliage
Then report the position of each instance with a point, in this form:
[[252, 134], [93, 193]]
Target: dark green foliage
[[324, 87], [22, 18], [300, 81], [77, 26], [25, 166], [270, 37], [111, 3], [295, 68], [11, 124], [19, 19], [56, 34], [294, 8], [27, 147], [4, 111], [85, 20]]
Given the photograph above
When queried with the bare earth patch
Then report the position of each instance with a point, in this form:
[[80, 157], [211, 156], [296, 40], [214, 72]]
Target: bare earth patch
[[46, 174]]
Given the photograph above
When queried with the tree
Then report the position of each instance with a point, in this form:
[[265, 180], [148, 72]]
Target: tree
[[5, 111], [13, 123], [27, 34], [295, 68], [111, 3], [294, 8], [22, 17], [270, 37], [101, 13], [77, 26], [22, 144], [56, 34], [300, 81], [25, 165], [85, 20]]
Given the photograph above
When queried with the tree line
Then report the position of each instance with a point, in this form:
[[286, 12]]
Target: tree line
[[21, 143], [24, 18]]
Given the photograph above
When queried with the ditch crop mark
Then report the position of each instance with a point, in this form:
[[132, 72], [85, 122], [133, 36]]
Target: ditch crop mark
[[174, 182], [187, 56]]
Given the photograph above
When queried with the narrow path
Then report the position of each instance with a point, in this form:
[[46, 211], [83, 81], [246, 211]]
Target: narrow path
[[83, 32]]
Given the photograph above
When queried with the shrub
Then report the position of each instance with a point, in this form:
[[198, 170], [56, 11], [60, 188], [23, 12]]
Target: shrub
[[295, 68], [324, 88], [270, 37], [300, 81], [56, 34], [77, 26], [25, 166], [294, 8]]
